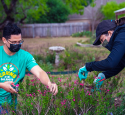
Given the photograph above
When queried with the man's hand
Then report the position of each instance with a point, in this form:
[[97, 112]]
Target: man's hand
[[82, 71], [53, 88], [7, 86]]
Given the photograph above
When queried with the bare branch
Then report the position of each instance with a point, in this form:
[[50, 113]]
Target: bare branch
[[82, 111], [73, 108], [4, 6], [49, 105], [12, 6], [24, 12], [21, 21], [89, 108]]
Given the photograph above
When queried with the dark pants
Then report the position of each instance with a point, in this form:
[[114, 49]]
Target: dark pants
[[3, 110]]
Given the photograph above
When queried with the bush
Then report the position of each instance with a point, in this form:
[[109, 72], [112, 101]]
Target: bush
[[86, 34], [58, 13], [50, 57], [82, 34], [45, 62], [73, 58], [72, 98]]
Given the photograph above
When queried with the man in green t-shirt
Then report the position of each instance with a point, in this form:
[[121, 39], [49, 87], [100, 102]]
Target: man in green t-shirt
[[13, 64]]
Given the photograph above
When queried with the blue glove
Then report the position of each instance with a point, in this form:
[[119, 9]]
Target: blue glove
[[99, 80], [82, 71]]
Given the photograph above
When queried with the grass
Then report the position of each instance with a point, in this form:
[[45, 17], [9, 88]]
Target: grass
[[38, 45]]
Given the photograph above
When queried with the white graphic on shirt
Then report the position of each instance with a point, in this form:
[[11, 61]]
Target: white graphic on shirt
[[8, 72], [33, 60]]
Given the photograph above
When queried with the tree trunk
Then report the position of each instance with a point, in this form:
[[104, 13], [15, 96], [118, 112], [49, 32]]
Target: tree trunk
[[9, 11]]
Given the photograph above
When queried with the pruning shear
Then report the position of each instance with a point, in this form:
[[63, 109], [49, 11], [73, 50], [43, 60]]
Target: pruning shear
[[15, 87]]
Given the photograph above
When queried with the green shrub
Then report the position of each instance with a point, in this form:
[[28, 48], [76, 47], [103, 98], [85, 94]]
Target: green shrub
[[82, 34], [73, 58], [87, 34], [50, 57], [72, 98]]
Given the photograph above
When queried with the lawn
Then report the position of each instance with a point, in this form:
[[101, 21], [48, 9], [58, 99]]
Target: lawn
[[40, 44]]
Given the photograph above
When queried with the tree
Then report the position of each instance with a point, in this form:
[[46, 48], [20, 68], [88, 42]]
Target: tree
[[77, 6], [58, 12], [17, 10], [109, 8], [94, 13]]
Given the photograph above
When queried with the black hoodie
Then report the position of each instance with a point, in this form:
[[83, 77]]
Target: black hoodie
[[115, 62]]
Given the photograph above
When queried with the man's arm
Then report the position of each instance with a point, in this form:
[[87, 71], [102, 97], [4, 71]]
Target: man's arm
[[42, 75], [114, 71], [1, 85]]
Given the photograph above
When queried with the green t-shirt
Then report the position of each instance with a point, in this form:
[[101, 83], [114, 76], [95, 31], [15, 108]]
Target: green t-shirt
[[11, 67]]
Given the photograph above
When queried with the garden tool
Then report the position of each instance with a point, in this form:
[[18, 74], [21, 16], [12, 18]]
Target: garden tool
[[15, 87]]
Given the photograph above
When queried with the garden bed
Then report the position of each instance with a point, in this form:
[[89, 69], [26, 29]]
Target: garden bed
[[72, 98]]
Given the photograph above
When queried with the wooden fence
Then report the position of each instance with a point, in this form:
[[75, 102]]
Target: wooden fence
[[53, 30]]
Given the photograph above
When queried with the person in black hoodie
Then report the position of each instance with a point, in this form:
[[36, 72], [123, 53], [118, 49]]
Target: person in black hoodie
[[111, 34]]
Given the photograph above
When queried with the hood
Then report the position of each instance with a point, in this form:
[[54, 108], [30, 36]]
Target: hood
[[118, 29]]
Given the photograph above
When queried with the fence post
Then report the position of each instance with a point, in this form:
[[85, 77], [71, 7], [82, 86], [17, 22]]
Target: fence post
[[70, 29], [51, 30], [33, 31]]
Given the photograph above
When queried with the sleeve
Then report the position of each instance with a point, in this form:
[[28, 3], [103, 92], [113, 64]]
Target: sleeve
[[30, 62], [114, 71], [114, 57]]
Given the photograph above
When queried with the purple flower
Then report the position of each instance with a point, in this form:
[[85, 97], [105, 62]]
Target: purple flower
[[107, 89], [81, 84], [17, 85], [28, 74]]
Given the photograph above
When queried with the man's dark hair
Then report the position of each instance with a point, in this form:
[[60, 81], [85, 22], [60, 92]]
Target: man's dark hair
[[11, 29]]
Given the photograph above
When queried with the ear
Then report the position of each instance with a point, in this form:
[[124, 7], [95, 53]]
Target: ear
[[4, 40], [110, 33]]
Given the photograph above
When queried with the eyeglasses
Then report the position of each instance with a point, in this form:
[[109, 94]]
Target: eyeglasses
[[15, 42]]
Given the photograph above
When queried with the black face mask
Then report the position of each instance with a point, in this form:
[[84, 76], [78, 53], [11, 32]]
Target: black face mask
[[14, 47], [105, 43]]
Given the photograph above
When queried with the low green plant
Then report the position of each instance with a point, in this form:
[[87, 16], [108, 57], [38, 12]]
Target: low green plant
[[73, 58], [82, 34], [73, 98], [87, 34], [46, 66], [49, 57]]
